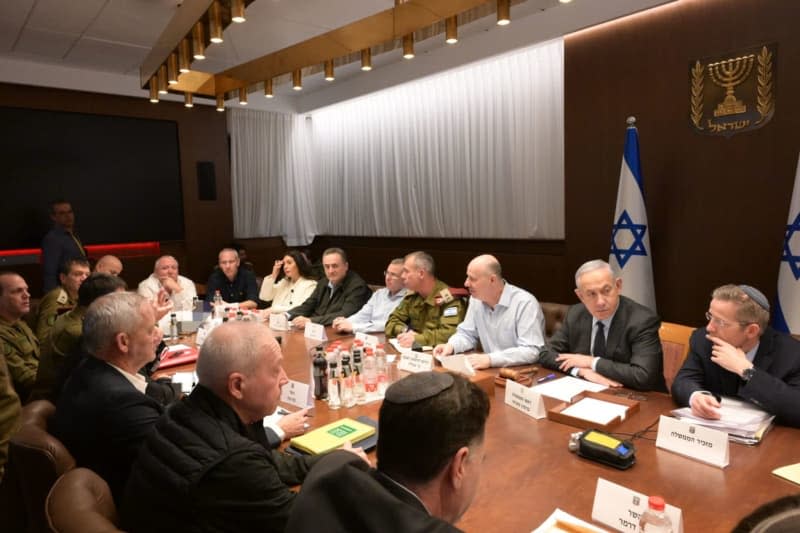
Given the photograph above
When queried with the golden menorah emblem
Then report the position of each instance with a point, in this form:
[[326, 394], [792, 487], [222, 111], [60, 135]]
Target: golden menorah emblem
[[728, 74]]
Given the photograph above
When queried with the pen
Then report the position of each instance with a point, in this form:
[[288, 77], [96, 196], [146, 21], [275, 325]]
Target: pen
[[548, 377]]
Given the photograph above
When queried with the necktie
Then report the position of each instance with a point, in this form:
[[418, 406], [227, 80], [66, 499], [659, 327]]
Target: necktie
[[599, 341]]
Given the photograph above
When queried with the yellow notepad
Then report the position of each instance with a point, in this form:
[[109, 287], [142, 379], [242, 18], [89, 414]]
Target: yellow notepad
[[332, 436], [790, 472]]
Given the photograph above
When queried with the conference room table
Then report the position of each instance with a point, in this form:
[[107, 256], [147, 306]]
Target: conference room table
[[529, 471]]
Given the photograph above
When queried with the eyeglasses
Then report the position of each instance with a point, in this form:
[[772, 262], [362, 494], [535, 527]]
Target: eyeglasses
[[392, 274], [723, 323]]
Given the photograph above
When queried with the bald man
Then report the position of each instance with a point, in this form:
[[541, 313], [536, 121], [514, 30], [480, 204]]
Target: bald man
[[109, 264], [506, 320], [207, 465]]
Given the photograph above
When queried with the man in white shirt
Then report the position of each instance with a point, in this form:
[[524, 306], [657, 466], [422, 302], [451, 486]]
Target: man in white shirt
[[506, 320], [181, 290], [372, 317]]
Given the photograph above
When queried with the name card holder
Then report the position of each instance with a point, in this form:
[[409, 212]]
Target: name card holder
[[315, 332], [694, 441], [415, 362], [525, 399], [369, 340], [555, 414], [278, 322], [621, 508], [297, 393]]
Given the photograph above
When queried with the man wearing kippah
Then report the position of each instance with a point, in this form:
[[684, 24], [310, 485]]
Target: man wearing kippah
[[430, 455], [738, 354]]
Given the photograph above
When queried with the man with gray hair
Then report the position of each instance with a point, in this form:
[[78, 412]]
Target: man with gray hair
[[423, 318], [103, 414], [506, 320], [207, 465], [738, 354], [372, 317], [607, 338], [180, 289]]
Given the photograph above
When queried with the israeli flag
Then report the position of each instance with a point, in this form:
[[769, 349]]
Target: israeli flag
[[787, 310], [630, 241]]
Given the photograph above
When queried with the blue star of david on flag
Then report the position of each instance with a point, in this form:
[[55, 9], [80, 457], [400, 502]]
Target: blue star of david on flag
[[637, 231], [792, 259]]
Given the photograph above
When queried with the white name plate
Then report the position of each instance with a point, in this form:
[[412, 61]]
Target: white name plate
[[458, 364], [369, 340], [703, 444], [278, 322], [296, 393], [415, 362], [525, 399], [315, 331], [621, 508]]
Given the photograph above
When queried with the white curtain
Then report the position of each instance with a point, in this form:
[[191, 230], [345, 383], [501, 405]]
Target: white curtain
[[476, 152]]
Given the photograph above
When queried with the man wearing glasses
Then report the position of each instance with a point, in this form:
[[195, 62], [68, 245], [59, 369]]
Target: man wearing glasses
[[372, 317], [607, 338], [738, 354]]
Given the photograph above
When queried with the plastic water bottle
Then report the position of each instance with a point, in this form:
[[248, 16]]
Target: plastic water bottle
[[370, 373], [217, 311], [381, 369], [334, 402], [654, 520], [173, 326]]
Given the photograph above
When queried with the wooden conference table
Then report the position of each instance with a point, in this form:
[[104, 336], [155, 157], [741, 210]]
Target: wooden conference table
[[528, 471]]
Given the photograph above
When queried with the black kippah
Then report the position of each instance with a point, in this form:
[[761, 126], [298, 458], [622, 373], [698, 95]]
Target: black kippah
[[416, 387]]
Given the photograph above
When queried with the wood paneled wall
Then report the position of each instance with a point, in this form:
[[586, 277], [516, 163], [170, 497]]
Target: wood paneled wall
[[717, 207], [202, 136]]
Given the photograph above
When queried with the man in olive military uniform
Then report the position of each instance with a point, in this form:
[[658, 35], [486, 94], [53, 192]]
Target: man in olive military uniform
[[423, 317], [18, 344], [61, 299], [66, 335]]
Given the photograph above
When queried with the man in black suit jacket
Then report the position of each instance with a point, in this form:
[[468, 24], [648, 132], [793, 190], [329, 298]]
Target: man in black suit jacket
[[343, 295], [103, 413], [738, 354], [621, 335]]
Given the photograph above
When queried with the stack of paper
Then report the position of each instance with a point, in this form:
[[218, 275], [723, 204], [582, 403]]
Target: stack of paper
[[566, 388], [743, 421]]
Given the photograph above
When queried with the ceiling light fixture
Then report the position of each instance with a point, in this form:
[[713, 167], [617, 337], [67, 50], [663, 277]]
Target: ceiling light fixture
[[215, 22], [237, 11], [187, 99], [183, 55], [154, 88], [172, 69], [408, 46], [242, 95], [451, 30], [297, 80], [162, 79], [268, 88], [329, 70], [220, 102], [199, 41], [503, 12], [366, 59]]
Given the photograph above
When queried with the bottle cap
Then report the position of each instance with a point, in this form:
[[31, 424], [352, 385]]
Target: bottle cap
[[656, 503]]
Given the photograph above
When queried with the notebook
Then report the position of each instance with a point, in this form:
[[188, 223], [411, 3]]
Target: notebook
[[332, 436]]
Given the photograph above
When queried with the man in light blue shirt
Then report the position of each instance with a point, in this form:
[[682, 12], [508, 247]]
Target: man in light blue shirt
[[372, 317], [507, 320]]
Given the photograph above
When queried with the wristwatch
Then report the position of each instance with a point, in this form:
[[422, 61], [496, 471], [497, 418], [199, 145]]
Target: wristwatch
[[748, 373]]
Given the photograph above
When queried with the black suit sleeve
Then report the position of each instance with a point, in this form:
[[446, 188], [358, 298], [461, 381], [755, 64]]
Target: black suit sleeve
[[354, 296], [559, 342], [645, 368], [692, 375]]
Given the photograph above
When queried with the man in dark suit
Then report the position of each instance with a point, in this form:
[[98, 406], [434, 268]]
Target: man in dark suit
[[738, 354], [444, 415], [343, 295], [620, 334], [103, 414]]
